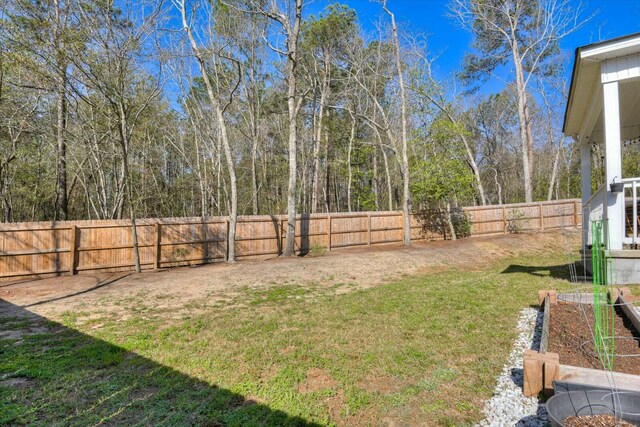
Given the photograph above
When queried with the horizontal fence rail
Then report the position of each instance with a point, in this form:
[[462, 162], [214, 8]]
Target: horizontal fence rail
[[40, 249]]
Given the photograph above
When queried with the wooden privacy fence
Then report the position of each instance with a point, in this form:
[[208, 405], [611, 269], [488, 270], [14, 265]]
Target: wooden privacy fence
[[71, 247]]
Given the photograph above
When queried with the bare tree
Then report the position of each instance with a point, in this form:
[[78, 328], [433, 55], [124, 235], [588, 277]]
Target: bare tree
[[219, 106], [289, 18], [406, 195], [525, 34], [43, 31], [114, 69], [553, 95]]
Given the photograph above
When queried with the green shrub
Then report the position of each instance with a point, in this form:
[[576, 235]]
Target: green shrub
[[316, 250], [436, 221], [514, 221], [461, 223]]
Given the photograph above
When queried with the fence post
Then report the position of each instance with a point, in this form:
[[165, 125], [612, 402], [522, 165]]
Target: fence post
[[369, 228], [136, 248], [205, 241], [73, 246], [541, 216], [575, 213], [158, 251], [328, 231], [505, 226], [402, 227], [283, 231], [226, 250]]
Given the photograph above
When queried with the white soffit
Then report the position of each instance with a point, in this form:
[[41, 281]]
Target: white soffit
[[585, 78]]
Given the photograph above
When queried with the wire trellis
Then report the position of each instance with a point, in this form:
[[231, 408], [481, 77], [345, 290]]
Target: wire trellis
[[603, 310]]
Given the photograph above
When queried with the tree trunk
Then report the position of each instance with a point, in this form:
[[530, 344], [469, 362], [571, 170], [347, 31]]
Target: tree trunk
[[215, 103], [327, 181], [476, 171], [525, 128], [254, 177], [452, 229], [316, 159], [554, 172], [254, 130], [498, 186], [388, 176], [134, 234], [554, 175], [292, 104], [124, 143], [121, 186], [7, 214], [202, 177], [218, 169], [61, 149], [403, 121], [352, 136], [318, 137], [301, 197], [61, 202], [374, 182], [233, 214]]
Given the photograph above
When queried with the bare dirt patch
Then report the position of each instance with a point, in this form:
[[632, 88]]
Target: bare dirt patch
[[270, 373], [11, 335], [317, 379], [288, 350], [223, 285], [15, 382], [382, 384]]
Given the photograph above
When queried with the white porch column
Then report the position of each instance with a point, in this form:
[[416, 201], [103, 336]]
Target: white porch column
[[585, 169], [614, 208], [585, 175]]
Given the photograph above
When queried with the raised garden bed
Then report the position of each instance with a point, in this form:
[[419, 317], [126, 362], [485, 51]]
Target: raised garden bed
[[566, 351], [566, 360], [570, 328]]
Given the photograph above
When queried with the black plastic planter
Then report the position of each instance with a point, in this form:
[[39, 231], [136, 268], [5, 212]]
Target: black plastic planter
[[622, 405], [617, 187]]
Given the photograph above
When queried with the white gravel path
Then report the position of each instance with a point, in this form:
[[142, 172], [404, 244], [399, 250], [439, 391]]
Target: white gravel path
[[508, 406]]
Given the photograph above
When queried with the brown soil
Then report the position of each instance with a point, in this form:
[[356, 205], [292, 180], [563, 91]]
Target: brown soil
[[571, 325], [15, 382], [317, 379], [383, 385], [595, 421], [220, 285]]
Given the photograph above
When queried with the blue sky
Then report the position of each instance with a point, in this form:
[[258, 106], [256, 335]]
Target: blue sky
[[450, 42]]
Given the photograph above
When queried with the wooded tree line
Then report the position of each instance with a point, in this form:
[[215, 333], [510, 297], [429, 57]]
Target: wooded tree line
[[126, 109]]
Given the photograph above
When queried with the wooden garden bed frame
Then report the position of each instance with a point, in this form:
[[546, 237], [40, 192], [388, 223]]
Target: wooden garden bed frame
[[542, 368]]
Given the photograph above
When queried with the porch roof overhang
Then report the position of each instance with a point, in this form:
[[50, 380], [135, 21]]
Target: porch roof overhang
[[586, 85]]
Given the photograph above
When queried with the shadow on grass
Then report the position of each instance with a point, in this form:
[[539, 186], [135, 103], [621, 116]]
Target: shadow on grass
[[560, 271], [101, 284], [54, 375]]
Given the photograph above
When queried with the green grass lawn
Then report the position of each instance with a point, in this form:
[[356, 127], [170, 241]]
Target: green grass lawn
[[422, 350]]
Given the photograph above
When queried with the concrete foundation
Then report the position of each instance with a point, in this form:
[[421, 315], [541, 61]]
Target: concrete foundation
[[626, 266]]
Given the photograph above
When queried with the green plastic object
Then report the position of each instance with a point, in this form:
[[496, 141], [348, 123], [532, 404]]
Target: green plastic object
[[604, 311]]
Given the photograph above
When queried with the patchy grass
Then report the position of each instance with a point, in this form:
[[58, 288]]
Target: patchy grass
[[420, 350]]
